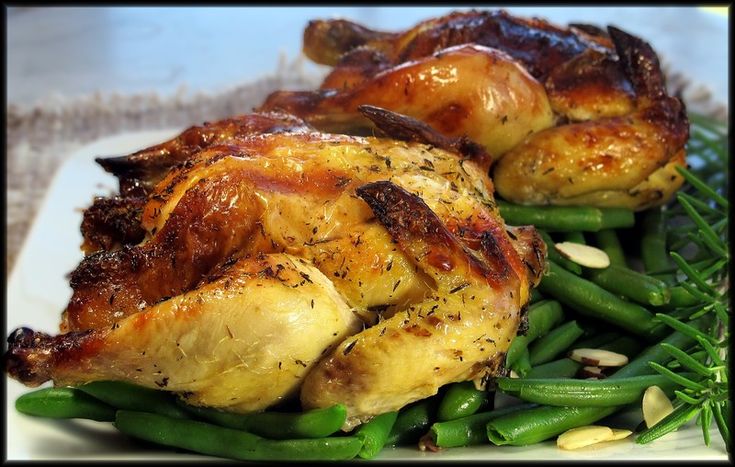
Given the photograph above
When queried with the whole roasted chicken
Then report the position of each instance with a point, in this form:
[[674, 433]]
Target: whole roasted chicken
[[255, 259], [575, 115]]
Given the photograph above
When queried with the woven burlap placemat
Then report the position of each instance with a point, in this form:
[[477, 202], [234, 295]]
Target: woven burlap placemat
[[41, 137]]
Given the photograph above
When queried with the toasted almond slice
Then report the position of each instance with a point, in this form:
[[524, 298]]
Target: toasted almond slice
[[656, 406], [584, 255], [576, 438], [598, 357], [592, 372], [619, 433]]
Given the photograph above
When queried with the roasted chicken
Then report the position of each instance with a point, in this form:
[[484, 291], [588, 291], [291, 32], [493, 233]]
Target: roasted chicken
[[264, 256], [574, 115]]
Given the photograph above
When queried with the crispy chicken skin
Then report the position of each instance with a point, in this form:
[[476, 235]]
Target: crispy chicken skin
[[458, 332], [602, 130], [113, 222], [455, 91], [539, 45], [613, 161], [241, 341], [306, 216]]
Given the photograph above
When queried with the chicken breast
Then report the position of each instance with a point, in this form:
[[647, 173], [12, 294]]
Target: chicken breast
[[467, 90]]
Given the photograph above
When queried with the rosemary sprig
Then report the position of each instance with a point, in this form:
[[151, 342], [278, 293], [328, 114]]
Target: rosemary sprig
[[699, 246]]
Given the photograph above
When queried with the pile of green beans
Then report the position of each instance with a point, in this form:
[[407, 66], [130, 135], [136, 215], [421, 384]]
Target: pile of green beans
[[460, 400], [589, 299], [214, 440], [541, 317], [543, 422]]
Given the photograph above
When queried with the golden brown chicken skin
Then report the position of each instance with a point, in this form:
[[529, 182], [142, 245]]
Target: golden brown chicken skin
[[241, 341], [456, 91], [612, 130], [458, 332], [617, 160], [113, 222], [295, 218], [539, 45]]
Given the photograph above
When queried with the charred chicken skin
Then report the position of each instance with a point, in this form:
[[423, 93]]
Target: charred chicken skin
[[299, 262], [574, 115]]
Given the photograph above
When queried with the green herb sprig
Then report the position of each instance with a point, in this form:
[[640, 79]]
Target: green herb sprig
[[698, 241]]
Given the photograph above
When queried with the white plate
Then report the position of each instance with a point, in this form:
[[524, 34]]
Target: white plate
[[38, 291]]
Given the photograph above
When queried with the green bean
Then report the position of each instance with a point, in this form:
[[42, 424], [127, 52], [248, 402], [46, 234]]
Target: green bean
[[516, 349], [625, 345], [541, 318], [597, 340], [641, 288], [541, 423], [460, 400], [575, 237], [316, 423], [607, 240], [590, 299], [654, 254], [412, 422], [522, 365], [535, 297], [584, 393], [555, 342], [63, 402], [561, 368], [680, 297], [567, 368], [566, 218], [374, 434], [126, 396], [554, 255], [469, 430], [206, 438]]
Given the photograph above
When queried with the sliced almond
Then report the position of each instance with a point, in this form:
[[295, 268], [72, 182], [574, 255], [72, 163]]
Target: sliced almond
[[619, 433], [584, 255], [513, 374], [591, 372], [598, 357], [582, 436], [656, 406]]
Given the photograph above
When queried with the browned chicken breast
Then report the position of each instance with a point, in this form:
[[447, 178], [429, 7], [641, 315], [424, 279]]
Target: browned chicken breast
[[467, 90], [573, 115], [303, 237]]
